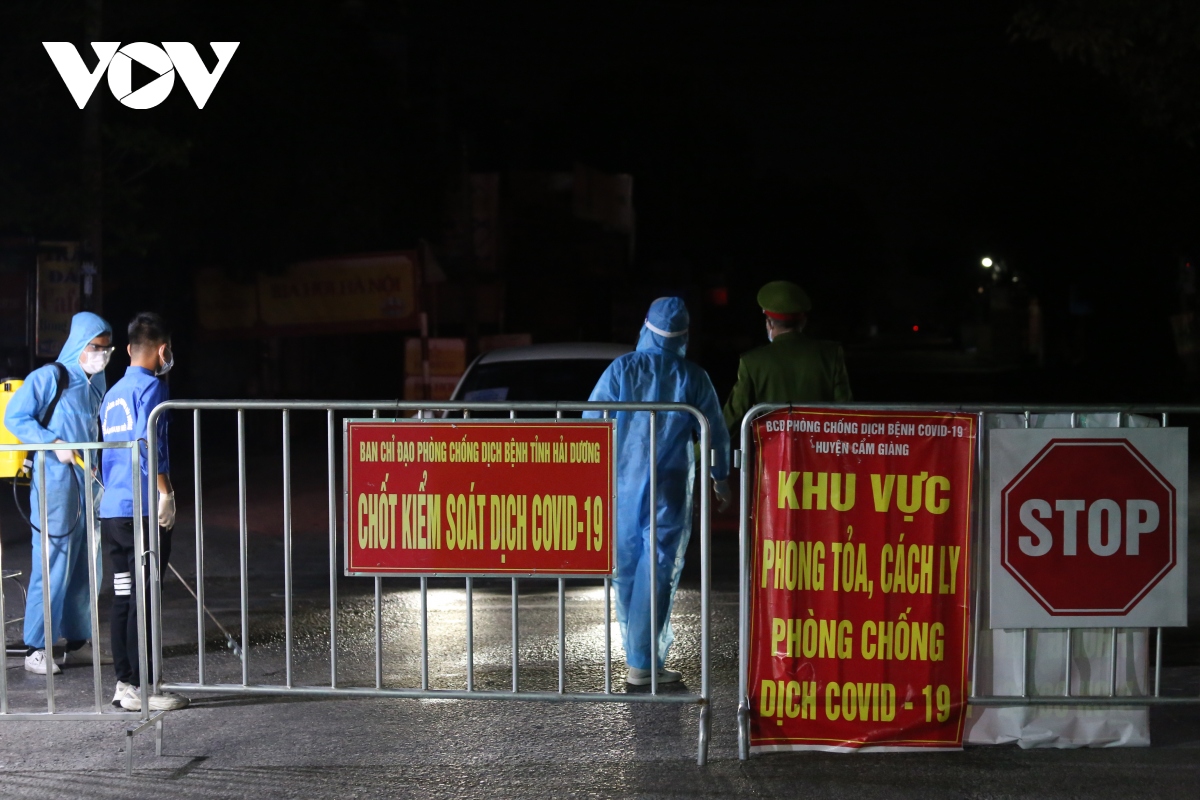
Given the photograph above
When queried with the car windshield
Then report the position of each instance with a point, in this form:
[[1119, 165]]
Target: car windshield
[[542, 380]]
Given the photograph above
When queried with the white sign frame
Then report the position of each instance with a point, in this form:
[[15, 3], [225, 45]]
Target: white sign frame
[[1010, 604]]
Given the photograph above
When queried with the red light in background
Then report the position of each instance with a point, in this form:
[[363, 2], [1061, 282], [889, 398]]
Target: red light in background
[[719, 296], [916, 327]]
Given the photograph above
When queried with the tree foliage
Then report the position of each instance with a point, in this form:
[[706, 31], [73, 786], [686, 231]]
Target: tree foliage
[[1150, 48]]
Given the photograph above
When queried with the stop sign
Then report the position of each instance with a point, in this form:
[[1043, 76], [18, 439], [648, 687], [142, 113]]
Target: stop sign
[[1088, 527]]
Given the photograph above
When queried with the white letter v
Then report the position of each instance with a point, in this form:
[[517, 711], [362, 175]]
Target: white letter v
[[196, 77], [74, 72]]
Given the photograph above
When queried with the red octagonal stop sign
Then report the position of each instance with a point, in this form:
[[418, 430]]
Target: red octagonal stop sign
[[1088, 527]]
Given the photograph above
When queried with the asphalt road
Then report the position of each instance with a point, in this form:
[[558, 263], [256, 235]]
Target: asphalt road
[[237, 746]]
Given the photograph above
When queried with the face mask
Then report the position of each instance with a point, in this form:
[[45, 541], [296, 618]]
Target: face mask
[[93, 362], [166, 364]]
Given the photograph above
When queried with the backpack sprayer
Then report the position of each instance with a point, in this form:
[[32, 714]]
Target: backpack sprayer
[[10, 460]]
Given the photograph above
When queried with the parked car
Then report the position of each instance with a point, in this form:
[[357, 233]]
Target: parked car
[[539, 372]]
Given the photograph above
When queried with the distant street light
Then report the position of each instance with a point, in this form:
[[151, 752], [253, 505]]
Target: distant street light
[[986, 262]]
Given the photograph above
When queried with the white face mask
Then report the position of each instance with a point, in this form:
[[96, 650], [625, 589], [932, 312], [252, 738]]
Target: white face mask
[[93, 362], [165, 363]]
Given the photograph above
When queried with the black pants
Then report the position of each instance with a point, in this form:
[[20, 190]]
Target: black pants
[[118, 538]]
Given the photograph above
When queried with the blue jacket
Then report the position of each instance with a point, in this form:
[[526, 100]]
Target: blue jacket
[[74, 420], [124, 417]]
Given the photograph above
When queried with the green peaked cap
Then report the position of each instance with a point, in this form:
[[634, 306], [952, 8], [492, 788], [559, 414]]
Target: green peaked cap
[[784, 297]]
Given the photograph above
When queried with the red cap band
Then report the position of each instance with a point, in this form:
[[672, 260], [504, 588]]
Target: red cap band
[[782, 317]]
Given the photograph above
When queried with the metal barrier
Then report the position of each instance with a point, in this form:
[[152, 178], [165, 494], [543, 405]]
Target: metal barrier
[[395, 410], [979, 547], [101, 710]]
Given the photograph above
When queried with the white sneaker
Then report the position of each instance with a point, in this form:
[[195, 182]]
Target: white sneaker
[[167, 701], [82, 657], [36, 663], [128, 697], [641, 677]]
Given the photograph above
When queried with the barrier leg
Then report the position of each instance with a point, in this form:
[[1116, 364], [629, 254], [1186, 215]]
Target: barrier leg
[[705, 730], [743, 723], [243, 545], [156, 719], [4, 636]]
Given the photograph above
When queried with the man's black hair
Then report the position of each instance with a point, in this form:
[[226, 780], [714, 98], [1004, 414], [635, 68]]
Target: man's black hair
[[148, 328]]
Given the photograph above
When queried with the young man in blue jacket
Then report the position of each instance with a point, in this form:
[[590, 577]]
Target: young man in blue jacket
[[72, 418], [124, 418]]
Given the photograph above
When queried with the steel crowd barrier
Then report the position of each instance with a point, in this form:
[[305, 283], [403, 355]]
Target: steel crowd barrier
[[101, 710], [744, 460], [395, 410]]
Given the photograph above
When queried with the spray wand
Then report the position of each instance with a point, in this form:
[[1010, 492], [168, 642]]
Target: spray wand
[[230, 642]]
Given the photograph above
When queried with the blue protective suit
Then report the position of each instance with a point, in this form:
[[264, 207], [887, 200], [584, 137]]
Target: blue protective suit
[[74, 420], [657, 372]]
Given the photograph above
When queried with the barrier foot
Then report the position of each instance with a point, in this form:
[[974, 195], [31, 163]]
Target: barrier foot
[[743, 723], [133, 730], [705, 728]]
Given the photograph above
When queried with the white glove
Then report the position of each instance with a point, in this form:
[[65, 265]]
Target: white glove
[[64, 456], [724, 495], [166, 510]]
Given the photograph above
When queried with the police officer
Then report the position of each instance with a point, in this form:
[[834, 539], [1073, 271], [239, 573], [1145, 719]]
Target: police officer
[[793, 368]]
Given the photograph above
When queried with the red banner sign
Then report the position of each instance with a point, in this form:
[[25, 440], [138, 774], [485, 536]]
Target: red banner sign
[[471, 498], [859, 598]]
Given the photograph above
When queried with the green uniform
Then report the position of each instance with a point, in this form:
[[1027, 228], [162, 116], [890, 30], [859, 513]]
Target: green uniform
[[792, 369]]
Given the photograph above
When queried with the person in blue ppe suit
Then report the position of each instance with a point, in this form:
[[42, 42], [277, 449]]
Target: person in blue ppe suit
[[657, 372], [85, 354]]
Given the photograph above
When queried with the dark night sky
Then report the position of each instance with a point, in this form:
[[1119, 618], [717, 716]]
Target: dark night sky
[[873, 152]]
